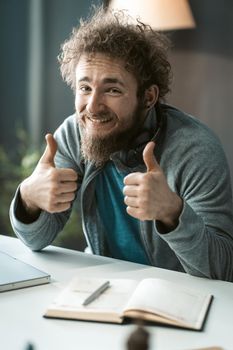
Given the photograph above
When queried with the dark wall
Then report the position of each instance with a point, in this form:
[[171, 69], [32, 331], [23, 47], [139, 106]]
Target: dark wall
[[13, 67], [202, 61]]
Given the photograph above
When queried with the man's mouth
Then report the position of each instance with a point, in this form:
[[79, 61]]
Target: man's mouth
[[99, 120]]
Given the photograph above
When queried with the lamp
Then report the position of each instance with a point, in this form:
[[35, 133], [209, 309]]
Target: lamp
[[159, 14]]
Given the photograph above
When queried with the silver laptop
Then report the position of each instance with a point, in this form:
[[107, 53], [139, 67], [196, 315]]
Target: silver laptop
[[15, 274]]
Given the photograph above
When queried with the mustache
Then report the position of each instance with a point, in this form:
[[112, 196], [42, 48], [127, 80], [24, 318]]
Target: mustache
[[101, 115]]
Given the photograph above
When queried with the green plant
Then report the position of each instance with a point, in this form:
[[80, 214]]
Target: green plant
[[13, 169]]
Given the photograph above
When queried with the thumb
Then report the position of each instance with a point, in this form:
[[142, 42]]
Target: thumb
[[50, 151], [149, 158]]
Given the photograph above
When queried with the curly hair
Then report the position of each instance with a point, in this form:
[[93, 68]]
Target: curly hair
[[114, 34]]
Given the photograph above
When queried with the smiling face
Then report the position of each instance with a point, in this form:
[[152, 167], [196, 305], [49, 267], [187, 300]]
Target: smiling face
[[107, 107]]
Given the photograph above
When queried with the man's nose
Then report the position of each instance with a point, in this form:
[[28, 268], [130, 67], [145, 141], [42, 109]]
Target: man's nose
[[94, 103]]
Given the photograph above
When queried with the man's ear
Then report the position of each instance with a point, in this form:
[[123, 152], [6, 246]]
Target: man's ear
[[151, 96]]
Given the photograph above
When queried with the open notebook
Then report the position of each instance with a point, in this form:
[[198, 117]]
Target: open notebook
[[15, 274], [151, 299]]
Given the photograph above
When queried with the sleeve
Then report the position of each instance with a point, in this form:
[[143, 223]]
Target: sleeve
[[44, 230], [203, 239]]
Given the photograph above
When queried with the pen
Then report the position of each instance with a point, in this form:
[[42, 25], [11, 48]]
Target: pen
[[96, 293]]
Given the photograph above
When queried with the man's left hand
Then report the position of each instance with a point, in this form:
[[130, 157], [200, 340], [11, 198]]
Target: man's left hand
[[148, 196]]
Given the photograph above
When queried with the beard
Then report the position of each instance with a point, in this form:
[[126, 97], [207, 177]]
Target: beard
[[98, 149]]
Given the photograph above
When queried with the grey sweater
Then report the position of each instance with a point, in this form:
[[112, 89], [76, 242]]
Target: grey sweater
[[196, 169]]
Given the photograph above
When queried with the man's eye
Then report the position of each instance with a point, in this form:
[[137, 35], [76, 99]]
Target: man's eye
[[84, 88], [114, 91]]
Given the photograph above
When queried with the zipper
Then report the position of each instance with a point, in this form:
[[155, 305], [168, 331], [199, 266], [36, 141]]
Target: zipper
[[89, 179], [144, 243]]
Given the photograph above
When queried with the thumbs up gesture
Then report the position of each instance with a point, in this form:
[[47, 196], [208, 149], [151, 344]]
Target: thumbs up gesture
[[48, 188], [148, 196]]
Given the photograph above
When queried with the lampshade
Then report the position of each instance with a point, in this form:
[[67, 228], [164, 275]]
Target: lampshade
[[159, 14]]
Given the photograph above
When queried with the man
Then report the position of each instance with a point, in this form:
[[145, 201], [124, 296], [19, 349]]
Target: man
[[153, 181]]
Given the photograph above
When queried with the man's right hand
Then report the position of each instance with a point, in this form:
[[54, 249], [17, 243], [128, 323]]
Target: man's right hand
[[48, 188]]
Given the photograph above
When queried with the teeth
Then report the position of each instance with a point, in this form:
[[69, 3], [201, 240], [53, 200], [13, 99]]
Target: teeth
[[104, 120]]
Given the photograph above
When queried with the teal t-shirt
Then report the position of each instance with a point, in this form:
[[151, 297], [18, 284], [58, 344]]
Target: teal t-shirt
[[122, 230]]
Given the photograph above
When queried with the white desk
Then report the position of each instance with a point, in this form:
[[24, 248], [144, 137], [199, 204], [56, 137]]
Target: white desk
[[21, 310]]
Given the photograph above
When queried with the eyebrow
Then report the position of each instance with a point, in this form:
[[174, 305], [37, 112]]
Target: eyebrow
[[108, 80]]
